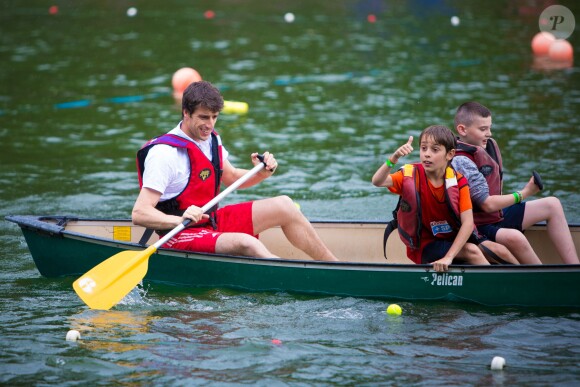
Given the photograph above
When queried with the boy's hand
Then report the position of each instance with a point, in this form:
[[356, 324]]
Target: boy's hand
[[402, 151], [530, 189], [442, 264]]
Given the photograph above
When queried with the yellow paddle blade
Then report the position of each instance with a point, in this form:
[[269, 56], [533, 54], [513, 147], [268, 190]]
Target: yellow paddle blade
[[107, 283]]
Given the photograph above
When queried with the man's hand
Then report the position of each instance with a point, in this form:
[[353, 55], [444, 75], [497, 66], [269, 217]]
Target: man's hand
[[269, 160], [195, 214]]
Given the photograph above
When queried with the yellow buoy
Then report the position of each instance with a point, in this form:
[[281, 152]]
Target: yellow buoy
[[235, 107]]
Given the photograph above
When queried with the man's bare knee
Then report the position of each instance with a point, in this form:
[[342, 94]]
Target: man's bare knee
[[248, 246], [286, 204], [282, 208]]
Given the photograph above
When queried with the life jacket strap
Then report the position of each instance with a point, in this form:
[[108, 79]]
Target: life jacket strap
[[493, 256], [145, 237], [391, 226]]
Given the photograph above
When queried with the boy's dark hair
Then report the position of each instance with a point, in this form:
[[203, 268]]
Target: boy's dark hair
[[467, 112], [442, 135], [203, 94]]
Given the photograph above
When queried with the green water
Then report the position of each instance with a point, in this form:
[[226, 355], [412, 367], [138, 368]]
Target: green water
[[330, 95]]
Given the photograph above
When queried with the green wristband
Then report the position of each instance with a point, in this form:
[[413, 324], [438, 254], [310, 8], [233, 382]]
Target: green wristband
[[389, 163], [517, 197]]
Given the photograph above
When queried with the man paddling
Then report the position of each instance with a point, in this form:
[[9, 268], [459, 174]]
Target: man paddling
[[182, 170]]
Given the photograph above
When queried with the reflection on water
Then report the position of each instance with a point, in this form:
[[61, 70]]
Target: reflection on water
[[115, 326]]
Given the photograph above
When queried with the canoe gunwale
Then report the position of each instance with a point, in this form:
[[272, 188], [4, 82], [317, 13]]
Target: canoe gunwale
[[40, 224]]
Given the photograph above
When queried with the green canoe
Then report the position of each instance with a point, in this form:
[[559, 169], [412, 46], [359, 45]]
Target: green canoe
[[67, 246]]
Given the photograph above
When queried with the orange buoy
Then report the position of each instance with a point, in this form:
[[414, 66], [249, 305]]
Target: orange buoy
[[541, 43], [561, 51], [183, 78]]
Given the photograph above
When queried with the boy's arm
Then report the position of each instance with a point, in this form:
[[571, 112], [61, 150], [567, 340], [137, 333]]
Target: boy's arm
[[498, 202], [480, 190], [382, 177], [462, 236]]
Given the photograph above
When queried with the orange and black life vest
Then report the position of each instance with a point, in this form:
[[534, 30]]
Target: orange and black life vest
[[417, 207]]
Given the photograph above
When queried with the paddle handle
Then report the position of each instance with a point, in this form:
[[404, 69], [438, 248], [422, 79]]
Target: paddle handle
[[214, 201]]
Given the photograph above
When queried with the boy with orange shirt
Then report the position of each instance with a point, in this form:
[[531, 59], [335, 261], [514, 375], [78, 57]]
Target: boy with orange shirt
[[435, 216]]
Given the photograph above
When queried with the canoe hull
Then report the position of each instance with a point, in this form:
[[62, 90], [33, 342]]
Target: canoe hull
[[57, 252]]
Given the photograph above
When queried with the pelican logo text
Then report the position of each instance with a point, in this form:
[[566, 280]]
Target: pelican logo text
[[447, 280], [204, 174]]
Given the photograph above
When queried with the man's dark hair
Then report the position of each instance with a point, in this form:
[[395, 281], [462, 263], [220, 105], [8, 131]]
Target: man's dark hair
[[467, 112], [441, 135], [203, 94]]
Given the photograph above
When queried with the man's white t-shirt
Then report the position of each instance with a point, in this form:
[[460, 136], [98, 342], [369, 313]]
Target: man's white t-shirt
[[167, 167]]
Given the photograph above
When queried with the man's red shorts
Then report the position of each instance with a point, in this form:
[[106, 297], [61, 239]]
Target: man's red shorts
[[232, 218]]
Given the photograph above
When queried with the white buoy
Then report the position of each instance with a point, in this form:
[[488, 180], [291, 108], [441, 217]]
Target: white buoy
[[132, 11], [73, 335], [455, 21], [497, 363], [289, 17]]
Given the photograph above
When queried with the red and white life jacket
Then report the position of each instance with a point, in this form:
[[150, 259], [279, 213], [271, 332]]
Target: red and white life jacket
[[204, 177]]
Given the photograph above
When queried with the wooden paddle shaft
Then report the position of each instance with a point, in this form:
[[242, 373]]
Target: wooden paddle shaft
[[212, 202]]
